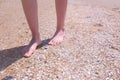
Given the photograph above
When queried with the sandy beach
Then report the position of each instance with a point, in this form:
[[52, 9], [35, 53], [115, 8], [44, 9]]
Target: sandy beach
[[90, 51], [102, 3]]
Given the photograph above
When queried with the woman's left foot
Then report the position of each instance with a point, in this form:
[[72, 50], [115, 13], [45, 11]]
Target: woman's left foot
[[57, 38]]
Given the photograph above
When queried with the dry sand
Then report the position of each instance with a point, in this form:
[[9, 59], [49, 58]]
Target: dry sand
[[102, 3], [90, 51]]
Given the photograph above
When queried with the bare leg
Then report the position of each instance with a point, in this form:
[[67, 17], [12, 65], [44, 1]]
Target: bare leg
[[31, 13], [61, 6]]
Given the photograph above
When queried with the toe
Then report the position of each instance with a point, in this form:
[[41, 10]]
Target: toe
[[28, 54], [51, 42]]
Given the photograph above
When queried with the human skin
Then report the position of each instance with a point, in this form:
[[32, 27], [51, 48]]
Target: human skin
[[31, 12]]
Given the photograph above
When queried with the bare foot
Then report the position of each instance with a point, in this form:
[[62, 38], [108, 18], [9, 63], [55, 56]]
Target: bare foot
[[29, 49], [57, 38]]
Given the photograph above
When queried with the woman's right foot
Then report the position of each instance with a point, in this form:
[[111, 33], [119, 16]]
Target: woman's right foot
[[30, 49]]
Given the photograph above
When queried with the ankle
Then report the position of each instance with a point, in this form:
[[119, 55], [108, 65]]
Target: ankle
[[60, 30], [36, 39]]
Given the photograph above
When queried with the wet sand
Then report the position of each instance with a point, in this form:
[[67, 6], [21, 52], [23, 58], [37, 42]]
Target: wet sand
[[90, 51]]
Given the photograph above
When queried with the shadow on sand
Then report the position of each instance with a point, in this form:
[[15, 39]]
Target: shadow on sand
[[9, 56], [8, 78]]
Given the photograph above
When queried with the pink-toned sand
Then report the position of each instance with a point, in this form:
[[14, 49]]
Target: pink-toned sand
[[102, 3], [90, 51]]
